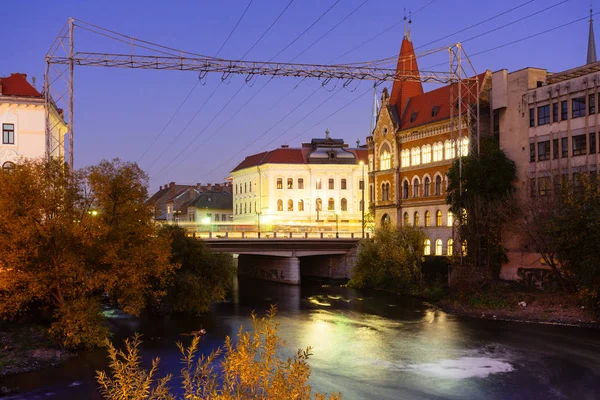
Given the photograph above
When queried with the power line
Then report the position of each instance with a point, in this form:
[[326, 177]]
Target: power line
[[234, 28], [268, 29]]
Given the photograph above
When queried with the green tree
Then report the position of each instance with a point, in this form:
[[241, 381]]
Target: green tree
[[249, 369], [69, 236], [481, 197], [391, 261], [203, 276]]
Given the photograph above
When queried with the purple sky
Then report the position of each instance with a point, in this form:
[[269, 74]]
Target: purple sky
[[119, 112]]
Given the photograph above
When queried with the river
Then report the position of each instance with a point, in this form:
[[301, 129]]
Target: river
[[367, 345]]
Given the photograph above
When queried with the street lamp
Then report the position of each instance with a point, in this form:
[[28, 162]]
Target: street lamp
[[363, 198]]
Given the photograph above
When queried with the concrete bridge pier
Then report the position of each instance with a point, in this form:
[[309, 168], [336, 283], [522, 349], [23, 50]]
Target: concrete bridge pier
[[270, 268]]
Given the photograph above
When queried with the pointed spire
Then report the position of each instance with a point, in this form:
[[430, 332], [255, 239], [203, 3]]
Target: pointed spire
[[407, 68], [375, 111], [591, 53]]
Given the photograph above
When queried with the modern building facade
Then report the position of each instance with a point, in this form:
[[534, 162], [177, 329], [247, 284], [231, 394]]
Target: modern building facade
[[414, 143], [23, 122], [317, 187]]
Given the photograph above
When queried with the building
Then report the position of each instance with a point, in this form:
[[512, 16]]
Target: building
[[23, 122], [413, 144], [317, 187], [211, 211], [548, 124]]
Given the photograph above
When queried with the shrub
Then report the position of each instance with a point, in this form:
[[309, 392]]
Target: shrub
[[79, 324]]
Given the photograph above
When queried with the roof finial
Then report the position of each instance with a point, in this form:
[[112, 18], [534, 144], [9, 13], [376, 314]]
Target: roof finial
[[326, 133], [405, 28], [591, 53], [357, 142]]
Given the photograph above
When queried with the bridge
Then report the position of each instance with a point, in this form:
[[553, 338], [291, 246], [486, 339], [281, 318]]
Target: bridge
[[287, 257]]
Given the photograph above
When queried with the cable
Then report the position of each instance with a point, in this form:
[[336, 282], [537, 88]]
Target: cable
[[234, 28], [268, 29]]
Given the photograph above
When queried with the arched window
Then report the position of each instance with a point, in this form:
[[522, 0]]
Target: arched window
[[344, 205], [438, 152], [245, 208], [250, 186], [405, 160], [449, 150], [450, 218], [331, 204], [464, 218], [290, 205], [464, 146], [279, 205], [249, 208], [279, 183], [426, 154], [8, 166], [301, 205], [438, 247], [385, 157], [318, 184], [427, 218], [415, 155], [319, 205], [405, 189], [236, 190], [416, 187], [427, 247], [385, 192], [450, 247], [300, 183], [416, 219], [236, 206], [463, 248], [245, 187], [426, 186], [331, 184], [385, 220], [405, 219], [438, 218], [290, 183], [438, 185]]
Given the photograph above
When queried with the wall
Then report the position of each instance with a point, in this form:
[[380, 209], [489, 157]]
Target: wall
[[268, 268]]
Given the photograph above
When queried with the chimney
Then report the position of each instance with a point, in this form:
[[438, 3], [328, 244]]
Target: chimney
[[172, 188]]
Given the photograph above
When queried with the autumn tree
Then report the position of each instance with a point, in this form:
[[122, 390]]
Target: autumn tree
[[70, 236], [246, 368], [391, 261]]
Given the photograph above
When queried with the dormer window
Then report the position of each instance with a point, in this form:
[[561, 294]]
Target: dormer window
[[332, 155], [413, 117], [434, 111]]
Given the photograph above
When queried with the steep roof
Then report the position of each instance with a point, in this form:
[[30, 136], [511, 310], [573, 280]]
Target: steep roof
[[289, 156], [16, 85], [402, 91], [213, 200]]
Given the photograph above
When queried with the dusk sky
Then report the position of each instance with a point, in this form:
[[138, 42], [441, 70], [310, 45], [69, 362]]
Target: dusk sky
[[120, 112]]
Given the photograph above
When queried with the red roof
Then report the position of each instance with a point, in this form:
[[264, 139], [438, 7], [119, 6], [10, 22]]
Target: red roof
[[407, 65], [420, 109], [16, 85], [289, 156]]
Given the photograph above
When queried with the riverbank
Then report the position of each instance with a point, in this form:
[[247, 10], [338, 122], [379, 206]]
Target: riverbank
[[26, 347], [510, 301]]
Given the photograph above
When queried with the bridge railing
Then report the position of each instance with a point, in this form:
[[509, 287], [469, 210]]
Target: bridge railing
[[280, 235]]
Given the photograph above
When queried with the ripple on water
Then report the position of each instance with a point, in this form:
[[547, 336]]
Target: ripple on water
[[459, 368]]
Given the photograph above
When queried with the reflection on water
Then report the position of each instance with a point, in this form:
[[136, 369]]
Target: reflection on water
[[367, 345]]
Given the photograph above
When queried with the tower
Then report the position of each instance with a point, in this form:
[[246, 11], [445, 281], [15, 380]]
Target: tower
[[591, 53]]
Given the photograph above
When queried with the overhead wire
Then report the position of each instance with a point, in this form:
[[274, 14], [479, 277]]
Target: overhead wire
[[234, 28]]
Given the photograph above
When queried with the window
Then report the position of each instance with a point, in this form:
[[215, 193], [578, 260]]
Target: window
[[544, 150], [405, 219], [543, 115], [578, 107], [544, 185], [564, 144], [236, 189], [426, 185], [319, 205], [438, 247], [318, 184], [385, 191], [450, 218], [438, 218], [331, 204], [371, 193], [250, 207], [531, 152], [385, 157], [279, 205], [450, 151], [564, 110], [592, 142], [290, 205], [236, 208], [331, 184], [279, 183], [434, 111], [361, 184], [413, 117], [416, 218], [426, 154], [344, 205], [245, 208], [463, 248], [8, 133], [405, 160], [250, 186], [415, 187], [290, 183], [415, 154], [554, 149], [427, 247], [216, 217], [427, 218], [579, 145], [300, 183], [450, 246], [405, 189], [343, 185], [438, 185], [496, 123], [438, 152], [301, 205], [245, 187], [531, 117], [592, 104], [464, 147], [554, 112]]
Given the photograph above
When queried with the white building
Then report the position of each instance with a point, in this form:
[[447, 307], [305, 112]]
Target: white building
[[316, 187], [23, 122]]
